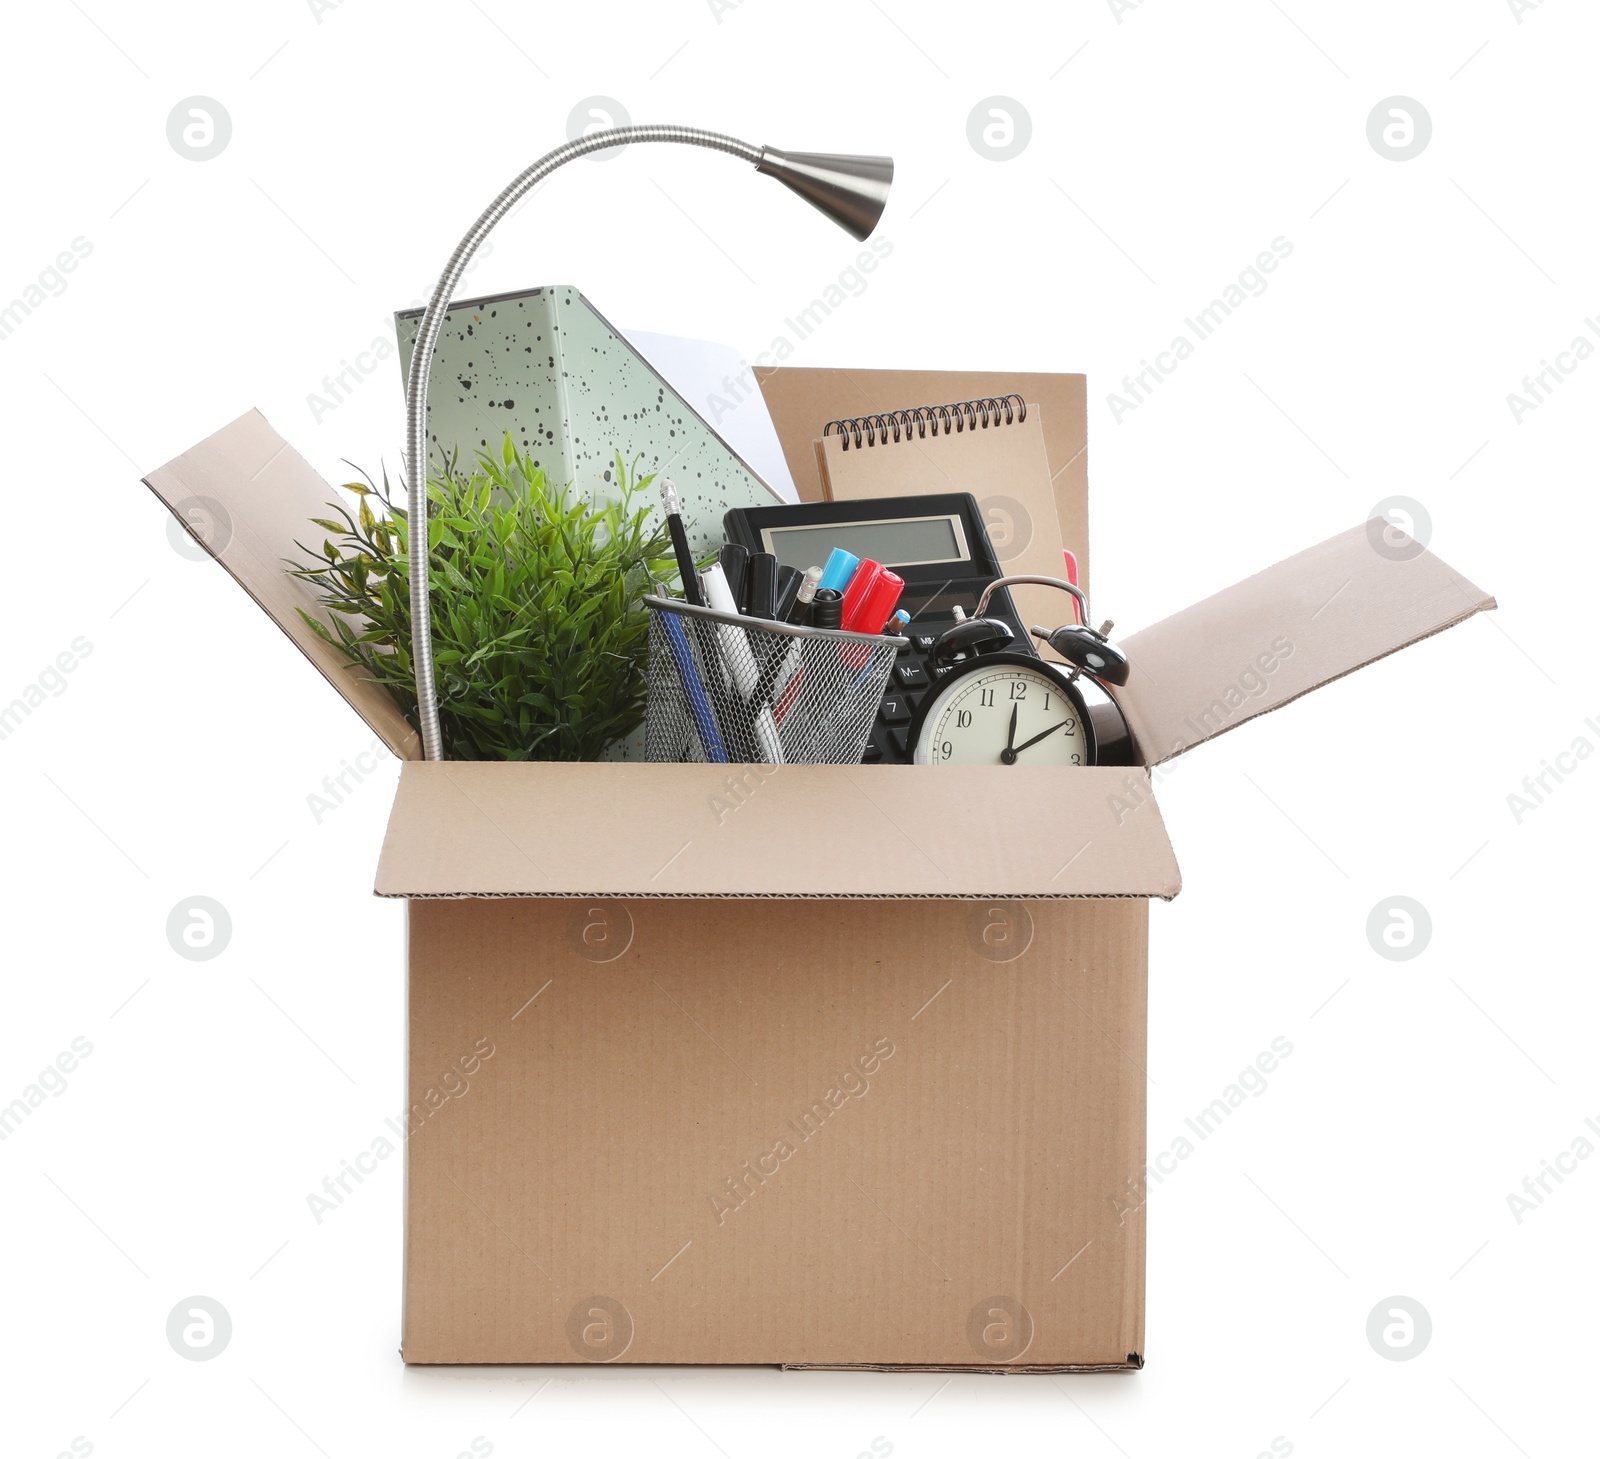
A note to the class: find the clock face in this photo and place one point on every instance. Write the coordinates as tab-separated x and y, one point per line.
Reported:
1003	714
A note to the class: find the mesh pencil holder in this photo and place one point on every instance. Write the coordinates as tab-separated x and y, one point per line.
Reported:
724	688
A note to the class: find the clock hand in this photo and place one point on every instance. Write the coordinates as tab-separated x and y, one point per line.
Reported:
1008	756
1042	736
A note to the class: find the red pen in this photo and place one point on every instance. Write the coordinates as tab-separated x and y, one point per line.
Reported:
1072	577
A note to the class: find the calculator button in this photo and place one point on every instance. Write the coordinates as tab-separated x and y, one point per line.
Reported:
871	755
923	642
894	710
911	676
896	741
940	672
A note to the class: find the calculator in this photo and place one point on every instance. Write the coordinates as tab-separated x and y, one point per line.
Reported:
938	544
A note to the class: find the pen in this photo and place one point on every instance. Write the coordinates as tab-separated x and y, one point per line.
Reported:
733	559
789	580
839	569
693	690
781	674
827	608
862	582
899	620
763	585
873	593
739	664
680	546
804	594
867	610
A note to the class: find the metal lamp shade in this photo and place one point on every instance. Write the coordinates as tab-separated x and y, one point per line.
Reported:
851	190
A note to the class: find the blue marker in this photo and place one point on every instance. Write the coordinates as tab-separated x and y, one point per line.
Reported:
839	569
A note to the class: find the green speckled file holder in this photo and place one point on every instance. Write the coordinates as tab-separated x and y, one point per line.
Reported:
546	366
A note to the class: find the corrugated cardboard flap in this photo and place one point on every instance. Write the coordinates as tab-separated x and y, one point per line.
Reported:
1302	623
269	492
479	829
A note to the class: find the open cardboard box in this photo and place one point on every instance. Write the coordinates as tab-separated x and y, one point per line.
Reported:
665	1108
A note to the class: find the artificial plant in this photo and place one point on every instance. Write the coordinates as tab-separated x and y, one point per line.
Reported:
540	637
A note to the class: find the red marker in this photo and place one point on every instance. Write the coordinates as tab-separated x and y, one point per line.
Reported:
863	583
870	599
873	595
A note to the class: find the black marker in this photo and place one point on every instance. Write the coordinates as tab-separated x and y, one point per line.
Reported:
827	608
763	591
789	580
734	559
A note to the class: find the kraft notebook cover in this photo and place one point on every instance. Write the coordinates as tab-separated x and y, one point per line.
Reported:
801	398
993	449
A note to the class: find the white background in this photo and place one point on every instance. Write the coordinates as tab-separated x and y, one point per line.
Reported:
1170	144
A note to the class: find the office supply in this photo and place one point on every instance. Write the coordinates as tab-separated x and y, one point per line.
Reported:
734	560
709	374
839	568
800	398
805	594
862	582
1000	704
777	677
546	367
789	580
735	648
827	608
763	595
814	701
992	448
897	621
680	545
935	545
741	671
875	603
694	693
849	190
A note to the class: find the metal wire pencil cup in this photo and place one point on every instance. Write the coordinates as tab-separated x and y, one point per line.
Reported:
728	689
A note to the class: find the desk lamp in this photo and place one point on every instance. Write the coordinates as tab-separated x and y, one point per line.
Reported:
850	190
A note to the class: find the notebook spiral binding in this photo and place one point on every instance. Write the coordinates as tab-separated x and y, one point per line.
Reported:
963	415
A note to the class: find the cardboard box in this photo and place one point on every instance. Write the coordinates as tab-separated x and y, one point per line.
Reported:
821	1066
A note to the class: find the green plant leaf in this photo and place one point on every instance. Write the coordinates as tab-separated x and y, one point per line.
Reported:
540	639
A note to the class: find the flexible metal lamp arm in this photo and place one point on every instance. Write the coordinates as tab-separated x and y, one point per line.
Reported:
850	190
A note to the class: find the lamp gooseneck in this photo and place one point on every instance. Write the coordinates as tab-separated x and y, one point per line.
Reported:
850	190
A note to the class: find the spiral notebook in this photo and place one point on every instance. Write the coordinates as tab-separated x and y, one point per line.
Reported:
993	448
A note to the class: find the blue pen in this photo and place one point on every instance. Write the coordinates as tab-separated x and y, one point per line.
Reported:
839	569
693	690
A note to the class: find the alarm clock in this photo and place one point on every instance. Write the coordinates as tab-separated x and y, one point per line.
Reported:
994	701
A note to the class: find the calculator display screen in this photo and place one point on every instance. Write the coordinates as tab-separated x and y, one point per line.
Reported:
895	542
939	605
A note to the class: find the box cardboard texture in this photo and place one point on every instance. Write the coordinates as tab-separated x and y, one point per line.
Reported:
666	1107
